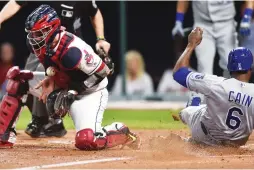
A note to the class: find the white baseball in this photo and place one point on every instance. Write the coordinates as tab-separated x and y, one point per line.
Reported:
51	71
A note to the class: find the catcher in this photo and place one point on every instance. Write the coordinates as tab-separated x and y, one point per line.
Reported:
75	83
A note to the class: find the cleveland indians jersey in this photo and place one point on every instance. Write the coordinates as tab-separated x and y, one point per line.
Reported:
79	62
230	105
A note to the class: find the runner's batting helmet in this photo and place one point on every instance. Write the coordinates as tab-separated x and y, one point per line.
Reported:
42	25
240	59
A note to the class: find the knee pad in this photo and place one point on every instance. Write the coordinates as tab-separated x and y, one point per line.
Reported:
86	140
18	81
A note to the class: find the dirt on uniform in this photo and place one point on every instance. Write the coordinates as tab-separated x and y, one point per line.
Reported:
159	149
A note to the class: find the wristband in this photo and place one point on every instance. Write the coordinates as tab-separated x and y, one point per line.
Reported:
179	16
101	38
248	11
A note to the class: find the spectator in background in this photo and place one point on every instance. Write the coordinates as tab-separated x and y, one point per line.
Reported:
138	81
168	84
6	59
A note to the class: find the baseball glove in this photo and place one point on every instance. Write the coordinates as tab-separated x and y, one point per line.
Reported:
59	102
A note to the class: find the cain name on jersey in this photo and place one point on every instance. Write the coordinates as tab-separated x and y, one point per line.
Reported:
239	98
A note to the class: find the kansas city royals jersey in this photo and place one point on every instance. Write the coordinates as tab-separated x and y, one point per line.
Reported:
230	105
213	10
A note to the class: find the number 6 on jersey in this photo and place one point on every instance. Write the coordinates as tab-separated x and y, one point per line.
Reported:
233	121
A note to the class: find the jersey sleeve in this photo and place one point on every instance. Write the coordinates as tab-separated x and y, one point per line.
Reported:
89	8
198	82
21	3
92	8
75	58
71	58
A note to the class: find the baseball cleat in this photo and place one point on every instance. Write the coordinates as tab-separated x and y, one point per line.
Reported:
55	128
34	128
8	139
133	141
40	128
6	145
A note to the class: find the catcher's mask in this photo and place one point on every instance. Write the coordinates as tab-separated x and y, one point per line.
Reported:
42	25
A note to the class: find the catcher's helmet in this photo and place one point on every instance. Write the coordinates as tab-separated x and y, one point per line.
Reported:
240	59
42	25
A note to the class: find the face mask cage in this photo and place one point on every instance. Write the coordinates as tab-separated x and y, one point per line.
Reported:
37	38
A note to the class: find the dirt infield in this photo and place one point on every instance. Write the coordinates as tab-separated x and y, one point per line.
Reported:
160	149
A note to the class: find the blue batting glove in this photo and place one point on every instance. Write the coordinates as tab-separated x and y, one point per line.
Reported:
246	22
178	28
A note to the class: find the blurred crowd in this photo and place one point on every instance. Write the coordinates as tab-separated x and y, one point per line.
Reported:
7	54
138	80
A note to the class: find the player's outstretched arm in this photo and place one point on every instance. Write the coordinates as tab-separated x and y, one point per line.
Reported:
10	9
194	39
198	82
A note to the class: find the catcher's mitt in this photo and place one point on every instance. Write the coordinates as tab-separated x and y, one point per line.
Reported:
59	102
107	60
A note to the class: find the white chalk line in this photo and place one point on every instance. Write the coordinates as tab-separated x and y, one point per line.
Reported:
248	146
229	156
75	163
60	142
193	162
65	142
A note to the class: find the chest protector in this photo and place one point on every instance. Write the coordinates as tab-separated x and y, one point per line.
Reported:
65	78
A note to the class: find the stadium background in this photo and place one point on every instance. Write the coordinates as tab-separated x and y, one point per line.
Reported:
148	30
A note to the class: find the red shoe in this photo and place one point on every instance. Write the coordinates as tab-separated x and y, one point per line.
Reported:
134	141
6	145
10	140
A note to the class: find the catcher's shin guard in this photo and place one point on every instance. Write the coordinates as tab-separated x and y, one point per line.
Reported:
86	139
11	103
